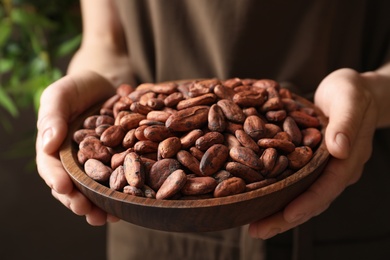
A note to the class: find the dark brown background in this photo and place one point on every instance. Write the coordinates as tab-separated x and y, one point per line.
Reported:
34	225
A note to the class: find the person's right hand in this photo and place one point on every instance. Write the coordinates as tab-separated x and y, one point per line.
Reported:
62	102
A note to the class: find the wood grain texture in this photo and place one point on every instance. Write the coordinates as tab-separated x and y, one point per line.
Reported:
193	215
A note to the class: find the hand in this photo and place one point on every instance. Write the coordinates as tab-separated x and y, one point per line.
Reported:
61	102
345	98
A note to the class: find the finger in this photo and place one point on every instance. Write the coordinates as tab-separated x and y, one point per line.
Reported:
52	172
75	201
344	101
64	100
96	217
112	219
337	175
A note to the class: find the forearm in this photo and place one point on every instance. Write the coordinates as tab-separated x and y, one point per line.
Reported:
379	84
103	47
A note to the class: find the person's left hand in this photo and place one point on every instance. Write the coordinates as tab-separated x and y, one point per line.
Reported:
345	99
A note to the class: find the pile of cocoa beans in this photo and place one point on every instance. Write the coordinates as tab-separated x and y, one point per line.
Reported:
197	139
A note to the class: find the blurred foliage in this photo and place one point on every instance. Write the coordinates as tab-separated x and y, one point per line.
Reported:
35	36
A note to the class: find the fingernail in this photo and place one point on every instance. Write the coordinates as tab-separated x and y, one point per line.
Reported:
297	218
273	232
47	136
342	141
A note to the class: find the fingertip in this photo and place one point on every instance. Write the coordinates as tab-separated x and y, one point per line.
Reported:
96	217
112	219
338	144
53	134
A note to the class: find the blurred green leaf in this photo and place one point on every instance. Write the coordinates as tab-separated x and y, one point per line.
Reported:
5	31
6	65
7	103
68	46
36	36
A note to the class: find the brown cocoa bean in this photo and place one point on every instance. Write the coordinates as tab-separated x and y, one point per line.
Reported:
231	141
232	82
92	148
143	99
129	139
139	133
304	120
146	146
199	185
97	170
156	103
246	156
169	147
231	111
209	139
117	159
213	159
279	144
157	133
134	170
117	180
135	191
276	115
229	187
189	139
198	154
244	172
250	98
172	184
247	141
266	83
173	99
311	137
188	119
159	171
271	130
101	128
90	122
274	103
299	157
221	175
137	107
189	161
250	111
206	99
165	88
113	136
80	134
269	158
283	136
149	192
131	120
281	165
290	127
254	126
216	119
159	116
231	127
223	92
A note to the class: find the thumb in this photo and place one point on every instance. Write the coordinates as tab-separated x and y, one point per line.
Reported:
64	100
342	98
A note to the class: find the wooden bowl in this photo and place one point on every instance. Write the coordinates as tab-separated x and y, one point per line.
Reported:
193	215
